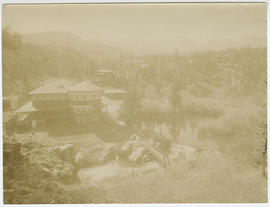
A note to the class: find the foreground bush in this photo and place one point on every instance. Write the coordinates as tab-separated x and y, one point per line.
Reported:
34	175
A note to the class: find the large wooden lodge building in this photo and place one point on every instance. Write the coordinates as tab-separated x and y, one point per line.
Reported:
60	100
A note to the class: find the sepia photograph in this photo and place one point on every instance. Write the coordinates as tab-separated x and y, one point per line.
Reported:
132	103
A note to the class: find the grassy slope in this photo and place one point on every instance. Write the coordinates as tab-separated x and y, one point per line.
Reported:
211	180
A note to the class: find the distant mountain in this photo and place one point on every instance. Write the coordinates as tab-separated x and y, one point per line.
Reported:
111	48
235	43
93	49
185	45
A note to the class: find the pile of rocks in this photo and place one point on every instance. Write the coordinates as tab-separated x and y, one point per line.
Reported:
96	155
31	170
137	150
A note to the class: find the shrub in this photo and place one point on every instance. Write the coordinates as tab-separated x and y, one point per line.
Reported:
203	105
241	132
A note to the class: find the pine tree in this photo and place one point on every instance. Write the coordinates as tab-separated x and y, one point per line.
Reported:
131	107
175	100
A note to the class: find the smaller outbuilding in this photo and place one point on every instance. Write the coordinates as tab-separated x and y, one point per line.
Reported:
104	75
114	93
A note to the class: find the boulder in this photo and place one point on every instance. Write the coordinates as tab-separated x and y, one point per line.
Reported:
87	158
135	138
137	154
137	149
125	150
65	152
109	152
126	147
147	157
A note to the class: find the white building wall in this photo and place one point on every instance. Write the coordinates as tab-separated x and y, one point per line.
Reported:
84	95
83	113
44	97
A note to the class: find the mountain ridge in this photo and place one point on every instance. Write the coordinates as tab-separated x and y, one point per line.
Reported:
93	49
113	48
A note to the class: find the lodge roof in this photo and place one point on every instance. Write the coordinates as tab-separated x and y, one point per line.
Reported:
55	87
85	86
28	107
62	87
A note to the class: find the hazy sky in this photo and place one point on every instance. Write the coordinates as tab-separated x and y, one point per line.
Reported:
196	21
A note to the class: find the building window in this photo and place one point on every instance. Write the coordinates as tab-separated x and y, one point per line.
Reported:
83	116
88	116
78	117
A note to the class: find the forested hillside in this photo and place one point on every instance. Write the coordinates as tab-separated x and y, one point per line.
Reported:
26	65
237	71
234	71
